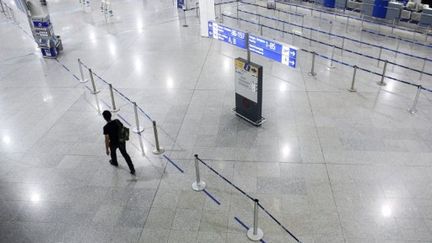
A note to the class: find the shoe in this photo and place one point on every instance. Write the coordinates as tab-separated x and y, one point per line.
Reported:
132	172
114	164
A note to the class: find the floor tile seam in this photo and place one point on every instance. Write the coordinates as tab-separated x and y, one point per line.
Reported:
196	84
55	122
325	164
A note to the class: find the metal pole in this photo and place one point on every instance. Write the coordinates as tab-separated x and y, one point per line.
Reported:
158	149
312	72
114	108
185	21
95	91
283	30
310	37
331	28
2	7
331	66
381	83
394	22
343	46
423	68
248	53
255	233
138	128
302	24
347	24
397	48
379	56
413	108
237	12
198	185
352	89
83	80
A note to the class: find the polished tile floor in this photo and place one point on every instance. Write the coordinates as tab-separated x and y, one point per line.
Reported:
330	165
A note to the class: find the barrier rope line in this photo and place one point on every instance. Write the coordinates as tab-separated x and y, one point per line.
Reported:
347	16
120	93
277	222
281	11
396	38
225	179
342	37
337	47
248	196
216	4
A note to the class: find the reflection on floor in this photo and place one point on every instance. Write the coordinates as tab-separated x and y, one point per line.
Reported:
332	166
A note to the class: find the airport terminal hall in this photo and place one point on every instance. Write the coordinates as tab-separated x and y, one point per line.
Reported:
216	121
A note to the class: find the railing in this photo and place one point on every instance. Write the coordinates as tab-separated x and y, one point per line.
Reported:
7	11
113	106
343	38
254	233
382	75
361	19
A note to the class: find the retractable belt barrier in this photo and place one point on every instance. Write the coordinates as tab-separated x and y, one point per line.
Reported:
256	201
347	16
397	38
346	38
330	45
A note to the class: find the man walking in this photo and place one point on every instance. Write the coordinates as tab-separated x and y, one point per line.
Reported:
112	131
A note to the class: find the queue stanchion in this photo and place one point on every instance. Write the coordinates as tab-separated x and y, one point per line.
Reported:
237	10
352	89
423	68
346	25
379	56
302	24
83	79
137	129
331	29
283	30
332	66
95	90
198	184
382	83
113	104
310	37
1	6
255	233
413	108
312	71
158	149
184	15
343	46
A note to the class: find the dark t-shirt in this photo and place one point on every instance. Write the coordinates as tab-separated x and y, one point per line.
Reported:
112	130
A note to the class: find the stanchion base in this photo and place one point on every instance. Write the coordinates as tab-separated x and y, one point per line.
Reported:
312	74
352	90
198	186
185	25
115	111
412	112
160	151
381	83
135	130
331	67
257	237
84	81
95	92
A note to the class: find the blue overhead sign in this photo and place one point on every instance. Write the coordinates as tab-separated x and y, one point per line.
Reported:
225	34
276	51
181	4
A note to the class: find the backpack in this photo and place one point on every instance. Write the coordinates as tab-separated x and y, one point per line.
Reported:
123	133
